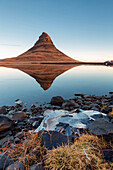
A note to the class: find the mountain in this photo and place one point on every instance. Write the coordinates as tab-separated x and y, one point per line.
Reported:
43	51
44	74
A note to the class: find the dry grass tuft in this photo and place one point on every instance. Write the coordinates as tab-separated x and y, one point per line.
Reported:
29	151
85	153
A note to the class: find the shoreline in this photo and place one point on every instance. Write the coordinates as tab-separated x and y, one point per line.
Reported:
66	120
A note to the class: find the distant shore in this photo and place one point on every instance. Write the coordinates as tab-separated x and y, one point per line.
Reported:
59	63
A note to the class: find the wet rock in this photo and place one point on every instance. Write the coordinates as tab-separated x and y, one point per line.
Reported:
37	167
16	166
52	139
3	110
5	123
5	161
19	115
57	100
69	105
101	126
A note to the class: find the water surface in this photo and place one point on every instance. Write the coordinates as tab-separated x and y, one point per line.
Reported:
39	83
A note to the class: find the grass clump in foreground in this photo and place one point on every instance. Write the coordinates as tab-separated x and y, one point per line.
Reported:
86	153
29	151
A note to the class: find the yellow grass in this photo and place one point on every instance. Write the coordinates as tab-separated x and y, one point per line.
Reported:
28	151
86	153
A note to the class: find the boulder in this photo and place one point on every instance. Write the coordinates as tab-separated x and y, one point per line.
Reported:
57	100
101	126
5	123
19	115
16	166
5	161
53	139
69	105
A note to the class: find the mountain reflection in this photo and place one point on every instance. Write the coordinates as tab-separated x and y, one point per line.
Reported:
44	74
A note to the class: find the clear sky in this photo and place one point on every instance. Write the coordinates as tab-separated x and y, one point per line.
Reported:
82	29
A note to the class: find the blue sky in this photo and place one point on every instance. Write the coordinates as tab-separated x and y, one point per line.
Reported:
82	29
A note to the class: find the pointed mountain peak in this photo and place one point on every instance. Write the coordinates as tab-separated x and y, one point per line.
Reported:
44	38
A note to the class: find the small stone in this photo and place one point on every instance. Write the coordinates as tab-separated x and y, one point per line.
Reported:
5	161
37	167
16	166
57	100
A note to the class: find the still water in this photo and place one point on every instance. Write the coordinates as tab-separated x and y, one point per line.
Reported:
38	83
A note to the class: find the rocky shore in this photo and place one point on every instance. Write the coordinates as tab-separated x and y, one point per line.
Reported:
58	122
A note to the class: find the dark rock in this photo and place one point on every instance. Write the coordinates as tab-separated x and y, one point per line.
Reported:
57	100
69	105
106	110
5	123
16	166
111	92
101	126
78	94
5	161
3	110
53	139
108	154
3	134
37	167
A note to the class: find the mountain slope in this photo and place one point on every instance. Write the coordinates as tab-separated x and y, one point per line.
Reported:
42	51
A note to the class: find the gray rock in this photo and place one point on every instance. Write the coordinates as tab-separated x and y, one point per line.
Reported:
5	161
70	104
53	139
101	126
5	123
57	100
16	166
